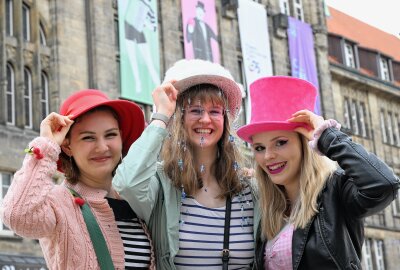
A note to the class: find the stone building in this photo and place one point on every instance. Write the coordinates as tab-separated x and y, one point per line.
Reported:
49	49
365	86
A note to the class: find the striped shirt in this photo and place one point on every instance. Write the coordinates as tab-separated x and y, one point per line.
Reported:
201	234
136	242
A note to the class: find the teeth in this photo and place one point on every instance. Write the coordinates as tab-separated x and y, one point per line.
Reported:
203	131
277	166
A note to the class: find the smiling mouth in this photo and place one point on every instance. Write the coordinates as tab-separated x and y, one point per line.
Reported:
276	168
100	159
203	131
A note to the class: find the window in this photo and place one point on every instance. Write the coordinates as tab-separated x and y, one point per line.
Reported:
118	75
26	17
362	118
298	10
367	255
396	130
44	99
396	205
116	33
383	126
9	18
28	97
349	55
5	181
284	5
379	256
389	127
10	95
347	122
373	254
42	36
354	117
292	8
384	69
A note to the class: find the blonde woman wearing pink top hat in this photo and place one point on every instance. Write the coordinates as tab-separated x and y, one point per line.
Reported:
312	210
82	223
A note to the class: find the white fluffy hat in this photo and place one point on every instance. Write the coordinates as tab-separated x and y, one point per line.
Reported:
193	72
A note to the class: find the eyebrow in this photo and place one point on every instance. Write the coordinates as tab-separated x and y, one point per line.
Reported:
211	107
276	138
273	139
91	132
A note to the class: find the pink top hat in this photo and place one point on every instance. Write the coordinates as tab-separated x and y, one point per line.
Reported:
273	101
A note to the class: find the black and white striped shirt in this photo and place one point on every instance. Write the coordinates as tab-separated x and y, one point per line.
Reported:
201	235
136	242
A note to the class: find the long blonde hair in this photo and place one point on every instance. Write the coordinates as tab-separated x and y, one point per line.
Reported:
177	148
314	172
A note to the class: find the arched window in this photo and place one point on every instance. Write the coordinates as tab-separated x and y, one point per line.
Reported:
44	99
10	95
42	34
28	97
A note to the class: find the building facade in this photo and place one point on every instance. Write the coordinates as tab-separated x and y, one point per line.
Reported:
365	72
49	49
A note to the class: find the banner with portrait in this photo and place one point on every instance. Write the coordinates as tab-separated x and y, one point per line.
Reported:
302	55
200	33
139	49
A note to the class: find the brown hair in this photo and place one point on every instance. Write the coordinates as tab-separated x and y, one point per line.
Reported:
71	170
177	147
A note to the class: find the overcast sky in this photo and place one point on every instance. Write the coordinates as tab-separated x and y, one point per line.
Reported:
383	14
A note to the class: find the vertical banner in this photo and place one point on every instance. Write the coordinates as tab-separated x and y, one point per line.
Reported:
302	55
256	49
139	49
200	33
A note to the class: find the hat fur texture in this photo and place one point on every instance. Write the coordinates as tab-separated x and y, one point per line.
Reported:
193	72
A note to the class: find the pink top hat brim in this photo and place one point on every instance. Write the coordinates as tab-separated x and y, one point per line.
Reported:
246	132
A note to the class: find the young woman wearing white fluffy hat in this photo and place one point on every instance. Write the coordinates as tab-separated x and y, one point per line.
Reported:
198	192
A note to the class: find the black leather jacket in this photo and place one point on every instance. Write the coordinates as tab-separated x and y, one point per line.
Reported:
334	237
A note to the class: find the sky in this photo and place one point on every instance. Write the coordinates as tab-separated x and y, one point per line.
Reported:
383	14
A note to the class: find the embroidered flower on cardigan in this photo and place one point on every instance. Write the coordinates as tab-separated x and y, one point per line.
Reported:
34	151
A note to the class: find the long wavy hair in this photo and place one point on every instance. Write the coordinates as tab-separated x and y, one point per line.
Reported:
178	148
68	165
314	172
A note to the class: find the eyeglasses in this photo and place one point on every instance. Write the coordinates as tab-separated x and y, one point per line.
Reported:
195	113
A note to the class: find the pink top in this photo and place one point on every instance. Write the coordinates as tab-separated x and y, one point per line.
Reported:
278	251
35	207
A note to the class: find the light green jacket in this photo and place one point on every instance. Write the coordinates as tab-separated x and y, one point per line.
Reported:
141	180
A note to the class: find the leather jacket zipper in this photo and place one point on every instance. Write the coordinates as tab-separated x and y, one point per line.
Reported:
323	241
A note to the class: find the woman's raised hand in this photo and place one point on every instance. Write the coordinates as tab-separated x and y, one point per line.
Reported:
55	127
311	119
164	97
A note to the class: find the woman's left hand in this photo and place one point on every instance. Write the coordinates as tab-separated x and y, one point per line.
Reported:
311	119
